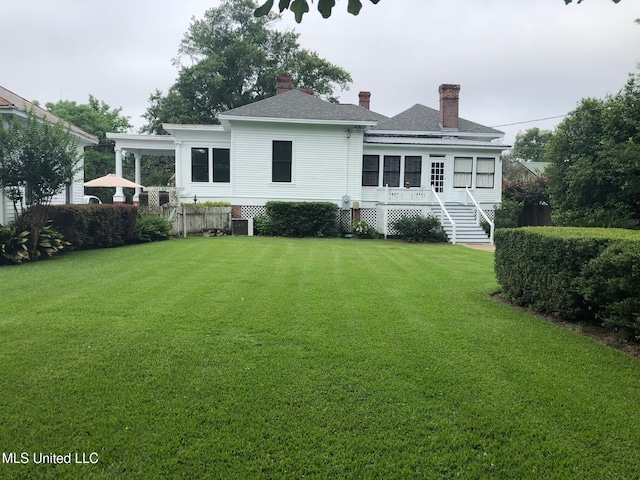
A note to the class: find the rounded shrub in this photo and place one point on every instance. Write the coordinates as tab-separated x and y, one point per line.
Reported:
420	229
151	228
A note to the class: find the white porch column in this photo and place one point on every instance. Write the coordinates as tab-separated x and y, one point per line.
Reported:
138	177
119	196
178	172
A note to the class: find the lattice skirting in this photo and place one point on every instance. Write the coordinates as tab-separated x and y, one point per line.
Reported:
397	214
250	211
369	215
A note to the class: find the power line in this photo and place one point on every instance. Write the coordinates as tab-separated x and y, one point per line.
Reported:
529	121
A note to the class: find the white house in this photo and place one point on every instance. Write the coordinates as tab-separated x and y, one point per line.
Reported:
12	104
296	147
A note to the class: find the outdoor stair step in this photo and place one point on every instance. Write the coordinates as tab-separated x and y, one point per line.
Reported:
467	230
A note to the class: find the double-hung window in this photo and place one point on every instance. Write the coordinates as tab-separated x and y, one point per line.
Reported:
412	170
462	171
391	171
485	172
199	164
370	170
282	155
221	165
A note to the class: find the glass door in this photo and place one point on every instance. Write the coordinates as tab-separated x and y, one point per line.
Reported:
437	176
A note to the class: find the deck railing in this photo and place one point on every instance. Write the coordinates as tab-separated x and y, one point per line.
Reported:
443	212
405	196
479	212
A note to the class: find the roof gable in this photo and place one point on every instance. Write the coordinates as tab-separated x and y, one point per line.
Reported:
296	105
10	101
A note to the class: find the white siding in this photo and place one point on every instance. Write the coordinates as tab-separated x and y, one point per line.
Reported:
325	163
205	191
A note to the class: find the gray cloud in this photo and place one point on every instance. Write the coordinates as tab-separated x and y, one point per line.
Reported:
516	60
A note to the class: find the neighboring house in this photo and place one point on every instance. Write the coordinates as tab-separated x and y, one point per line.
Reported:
531	170
12	104
297	147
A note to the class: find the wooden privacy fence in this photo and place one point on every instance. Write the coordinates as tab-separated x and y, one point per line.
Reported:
195	219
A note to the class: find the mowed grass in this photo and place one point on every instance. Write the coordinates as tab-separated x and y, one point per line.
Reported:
281	358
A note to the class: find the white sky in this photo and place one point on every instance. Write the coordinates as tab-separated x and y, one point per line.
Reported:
516	60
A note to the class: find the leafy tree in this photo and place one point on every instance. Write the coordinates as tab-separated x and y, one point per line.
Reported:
97	118
594	178
37	161
233	59
530	145
325	7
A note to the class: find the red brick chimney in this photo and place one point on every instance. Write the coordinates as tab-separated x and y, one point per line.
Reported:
365	99
308	91
449	96
283	83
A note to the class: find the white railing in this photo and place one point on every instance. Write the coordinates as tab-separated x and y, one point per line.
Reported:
481	212
405	196
443	213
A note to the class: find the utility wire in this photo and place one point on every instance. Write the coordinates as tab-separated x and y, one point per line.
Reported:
529	121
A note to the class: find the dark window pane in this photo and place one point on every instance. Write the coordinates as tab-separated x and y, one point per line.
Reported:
391	174
199	164
370	170
412	170
281	161
221	165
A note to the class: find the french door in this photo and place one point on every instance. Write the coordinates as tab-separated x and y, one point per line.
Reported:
437	176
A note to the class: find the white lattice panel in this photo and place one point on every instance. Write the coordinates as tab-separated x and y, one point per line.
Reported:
397	214
250	211
369	215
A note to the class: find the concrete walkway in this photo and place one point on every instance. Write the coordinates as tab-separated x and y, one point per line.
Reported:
488	247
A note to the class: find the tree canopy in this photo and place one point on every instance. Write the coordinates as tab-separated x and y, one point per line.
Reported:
97	118
530	145
594	178
37	161
325	7
231	58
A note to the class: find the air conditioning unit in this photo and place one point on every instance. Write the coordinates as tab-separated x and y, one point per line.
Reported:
240	226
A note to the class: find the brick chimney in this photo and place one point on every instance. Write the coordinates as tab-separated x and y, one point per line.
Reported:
449	96
308	91
283	83
365	99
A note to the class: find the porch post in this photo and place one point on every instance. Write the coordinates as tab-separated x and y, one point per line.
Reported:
119	195
138	176
178	167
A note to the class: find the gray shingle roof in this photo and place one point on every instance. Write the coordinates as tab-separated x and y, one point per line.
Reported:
302	106
11	101
424	119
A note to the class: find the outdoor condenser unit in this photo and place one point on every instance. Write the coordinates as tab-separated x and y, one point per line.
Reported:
242	226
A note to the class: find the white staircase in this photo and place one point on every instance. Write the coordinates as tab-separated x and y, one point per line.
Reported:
467	230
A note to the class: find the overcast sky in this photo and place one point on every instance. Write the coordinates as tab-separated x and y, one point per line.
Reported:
516	60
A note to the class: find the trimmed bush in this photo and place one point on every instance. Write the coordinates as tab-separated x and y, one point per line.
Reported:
303	219
542	267
420	229
261	225
611	282
95	226
152	228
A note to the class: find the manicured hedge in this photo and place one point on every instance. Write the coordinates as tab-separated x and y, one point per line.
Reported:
95	226
558	271
303	219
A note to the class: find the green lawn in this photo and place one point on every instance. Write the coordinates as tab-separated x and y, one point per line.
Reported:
279	358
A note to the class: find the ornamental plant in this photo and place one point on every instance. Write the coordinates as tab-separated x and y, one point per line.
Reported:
362	229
